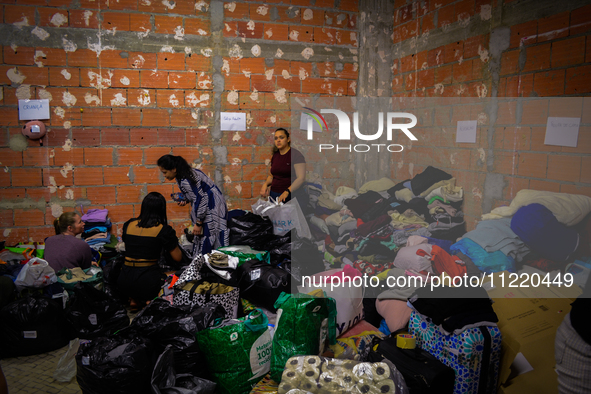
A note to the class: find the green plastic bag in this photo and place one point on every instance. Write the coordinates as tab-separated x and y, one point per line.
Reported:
303	324
237	352
246	253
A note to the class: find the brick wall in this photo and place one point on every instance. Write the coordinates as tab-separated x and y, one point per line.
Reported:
129	81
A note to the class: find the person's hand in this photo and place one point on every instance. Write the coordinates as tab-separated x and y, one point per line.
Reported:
265	191
94	263
197	230
181	203
283	196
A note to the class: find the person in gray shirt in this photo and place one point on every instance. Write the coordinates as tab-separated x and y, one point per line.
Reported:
65	250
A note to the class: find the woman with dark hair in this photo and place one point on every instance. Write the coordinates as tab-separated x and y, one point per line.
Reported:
145	238
287	163
65	250
209	212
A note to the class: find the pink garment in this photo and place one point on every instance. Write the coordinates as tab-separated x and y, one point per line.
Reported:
396	313
416	240
346	274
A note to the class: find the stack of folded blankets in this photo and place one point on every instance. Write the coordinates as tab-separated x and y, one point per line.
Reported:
97	227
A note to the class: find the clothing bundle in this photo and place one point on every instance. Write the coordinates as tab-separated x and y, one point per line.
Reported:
97	227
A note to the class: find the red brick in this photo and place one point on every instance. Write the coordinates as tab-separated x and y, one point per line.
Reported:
452	52
346	37
446	16
35	156
145	175
189	153
86	137
171	61
585	173
324	85
182	80
532	164
171	137
98	156
568	52
250	29
237	82
198	137
82	19
141	97
15	13
121	213
310	16
126	116
252	65
580	20
125	79
230	29
428	23
197	26
58	177
167	24
170	98
84	176
141	60
26	177
35	75
101	195
49	56
113	59
155	117
236	11
144	137
197	63
524	34
260	12
154	79
301	33
11	158
73	156
96	117
276	32
129	156
6	218
578	80
116	175
56	78
29	217
262	84
550	83
118	136
82	58
20	55
349	5
519	86
153	154
336	19
564	168
139	23
538	58
553	27
509	62
115	21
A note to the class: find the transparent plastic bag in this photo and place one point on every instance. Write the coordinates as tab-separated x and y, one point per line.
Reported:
66	366
314	374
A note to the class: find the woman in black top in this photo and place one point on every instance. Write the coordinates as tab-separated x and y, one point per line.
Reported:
145	238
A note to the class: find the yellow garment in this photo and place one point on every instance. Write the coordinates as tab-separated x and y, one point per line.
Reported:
212	288
404	195
449	191
326	200
377	186
337	219
343	190
436	185
401	220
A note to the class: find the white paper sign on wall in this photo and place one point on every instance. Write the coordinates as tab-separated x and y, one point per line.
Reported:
33	109
562	131
233	121
466	131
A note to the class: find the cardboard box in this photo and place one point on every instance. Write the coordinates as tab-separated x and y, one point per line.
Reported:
528	320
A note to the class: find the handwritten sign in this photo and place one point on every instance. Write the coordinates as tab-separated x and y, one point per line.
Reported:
33	109
233	121
466	131
304	119
562	131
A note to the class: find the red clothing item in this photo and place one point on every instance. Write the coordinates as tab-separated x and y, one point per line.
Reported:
283	170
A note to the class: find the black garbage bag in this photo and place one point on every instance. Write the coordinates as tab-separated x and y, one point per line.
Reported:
262	283
306	259
166	381
93	313
120	364
33	325
251	230
176	325
111	271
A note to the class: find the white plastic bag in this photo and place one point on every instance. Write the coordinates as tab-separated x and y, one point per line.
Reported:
289	216
348	297
66	366
36	273
262	206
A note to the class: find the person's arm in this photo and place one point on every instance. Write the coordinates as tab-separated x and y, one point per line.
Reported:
300	170
176	254
266	185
